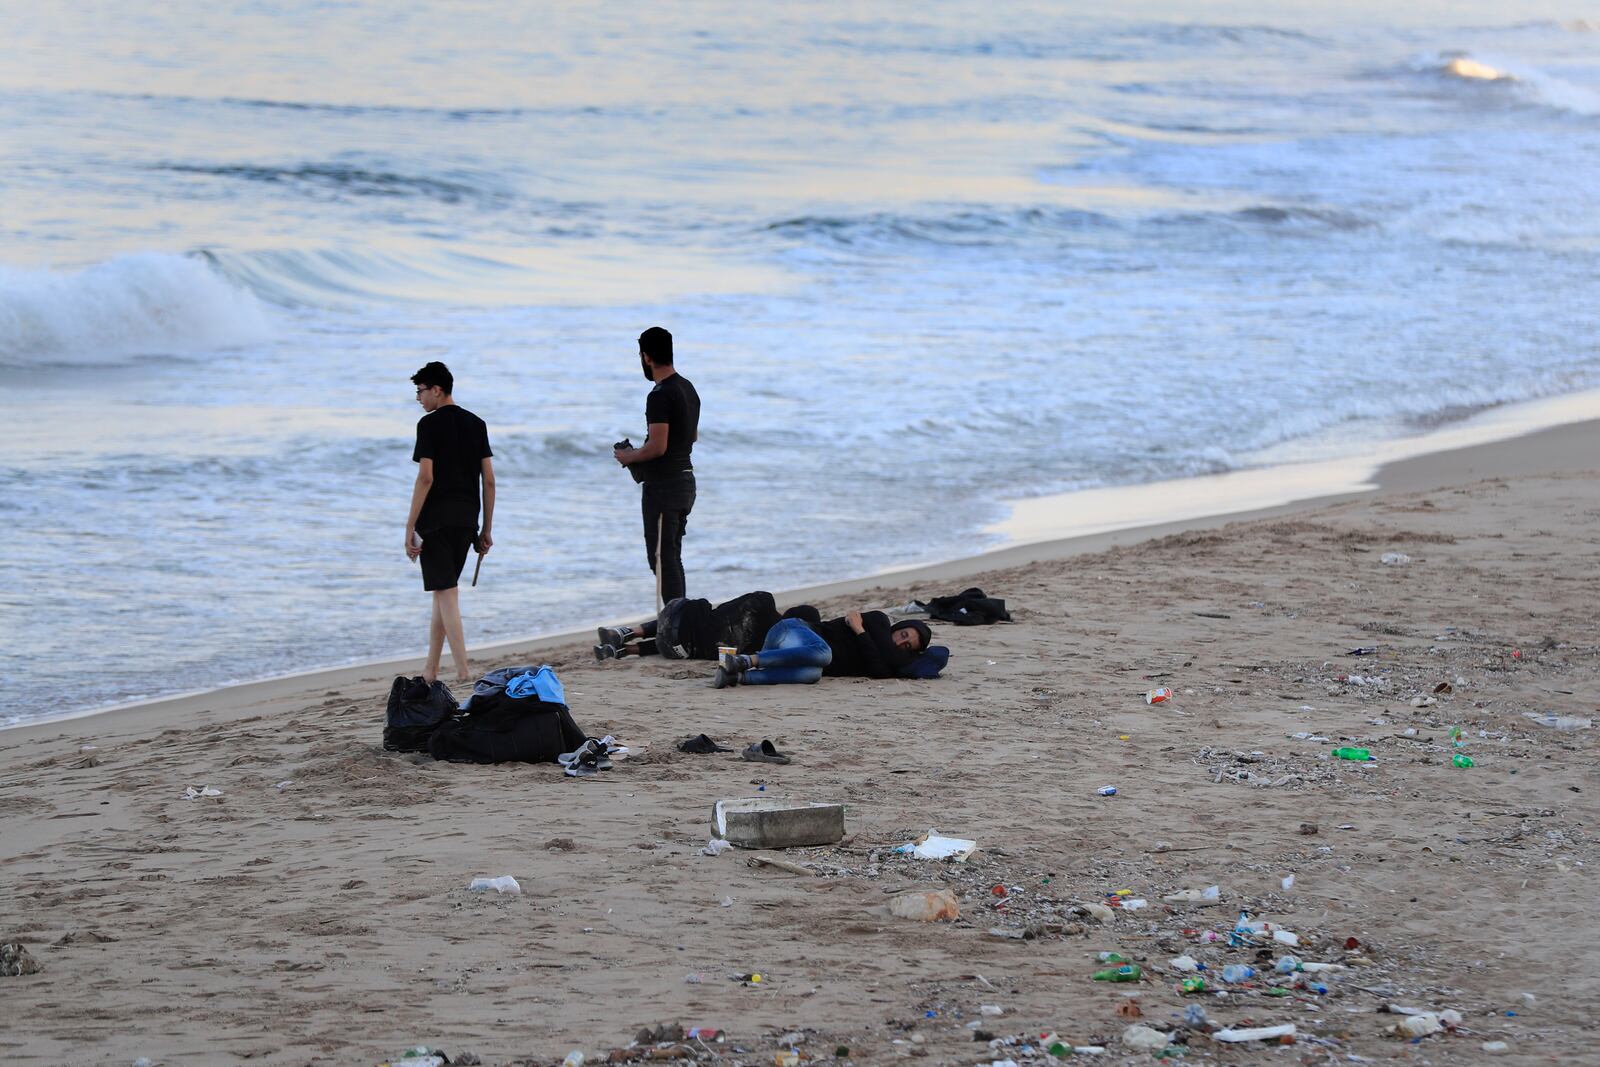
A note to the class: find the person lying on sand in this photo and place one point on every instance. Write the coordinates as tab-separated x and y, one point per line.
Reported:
856	645
694	629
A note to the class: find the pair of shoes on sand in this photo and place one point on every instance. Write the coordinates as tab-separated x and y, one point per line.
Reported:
612	639
591	757
762	751
730	670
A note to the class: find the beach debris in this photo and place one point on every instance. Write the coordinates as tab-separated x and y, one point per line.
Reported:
1130	1009
1097	912
1309	829
1394	559
1142	1038
1423	701
1185	963
931	846
726	902
561	844
1256	1033
1107	790
419	1056
925	906
192	793
93	937
1560	722
716	846
1364	650
503	884
1424	1023
991	1009
16	961
573	1058
780	865
765	822
1200	897
1287	883
1159	695
1495	1046
1128	972
1355	755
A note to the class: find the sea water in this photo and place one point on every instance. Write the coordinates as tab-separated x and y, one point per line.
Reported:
918	261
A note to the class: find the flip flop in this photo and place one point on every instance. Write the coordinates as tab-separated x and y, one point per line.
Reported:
701	745
763	751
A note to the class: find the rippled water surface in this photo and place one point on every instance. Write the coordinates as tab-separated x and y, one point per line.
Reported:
918	262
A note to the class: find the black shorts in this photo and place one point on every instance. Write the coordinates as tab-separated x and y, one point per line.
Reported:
444	553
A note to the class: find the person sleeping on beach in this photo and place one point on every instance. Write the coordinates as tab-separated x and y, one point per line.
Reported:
694	629
855	645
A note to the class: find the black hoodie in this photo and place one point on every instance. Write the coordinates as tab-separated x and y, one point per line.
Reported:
872	654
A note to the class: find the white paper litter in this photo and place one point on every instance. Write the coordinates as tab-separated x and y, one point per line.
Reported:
1255	1033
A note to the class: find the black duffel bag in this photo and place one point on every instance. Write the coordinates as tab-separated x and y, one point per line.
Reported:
415	710
505	729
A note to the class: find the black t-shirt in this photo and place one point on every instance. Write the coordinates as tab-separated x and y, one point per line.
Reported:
674	402
457	441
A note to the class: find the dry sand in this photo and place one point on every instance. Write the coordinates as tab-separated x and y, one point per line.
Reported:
327	920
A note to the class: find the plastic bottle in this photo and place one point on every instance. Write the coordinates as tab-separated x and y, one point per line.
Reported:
1192	985
1360	755
1237	972
1111	957
1462	760
1128	972
1287	965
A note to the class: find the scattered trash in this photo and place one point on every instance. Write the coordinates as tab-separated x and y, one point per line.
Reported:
1159	695
1288	883
991	1009
1107	790
1194	984
779	865
285	784
1133	904
1444	688
192	793
1129	1009
1194	1016
420	1056
1359	755
1128	972
1111	957
788	1058
1423	702
1098	912
504	884
1284	937
1394	559
716	846
1308	828
925	906
1143	1039
727	902
1203	897
1461	759
1365	650
15	961
573	1059
930	846
1237	972
1560	722
1495	1046
1185	963
1256	1033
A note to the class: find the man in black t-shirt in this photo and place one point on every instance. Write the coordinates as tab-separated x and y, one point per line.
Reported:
452	456
662	464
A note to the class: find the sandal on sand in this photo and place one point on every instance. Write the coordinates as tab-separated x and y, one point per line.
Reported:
590	747
763	751
586	765
701	745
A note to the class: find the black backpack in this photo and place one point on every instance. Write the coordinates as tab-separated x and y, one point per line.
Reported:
415	710
504	729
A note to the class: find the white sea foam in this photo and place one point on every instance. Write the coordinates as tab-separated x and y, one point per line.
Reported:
148	303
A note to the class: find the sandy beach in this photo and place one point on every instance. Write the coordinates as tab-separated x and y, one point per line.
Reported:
317	910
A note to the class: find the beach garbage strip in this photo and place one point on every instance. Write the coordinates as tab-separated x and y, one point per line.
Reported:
931	846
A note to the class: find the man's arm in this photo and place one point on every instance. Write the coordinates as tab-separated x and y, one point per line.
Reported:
419	493
883	658
485	542
655	445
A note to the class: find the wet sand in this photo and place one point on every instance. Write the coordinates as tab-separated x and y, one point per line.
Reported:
317	911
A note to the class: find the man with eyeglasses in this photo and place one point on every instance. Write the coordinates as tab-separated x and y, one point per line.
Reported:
452	456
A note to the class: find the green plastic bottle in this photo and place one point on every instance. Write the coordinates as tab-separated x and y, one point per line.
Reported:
1128	972
1461	760
1360	755
1192	985
1111	957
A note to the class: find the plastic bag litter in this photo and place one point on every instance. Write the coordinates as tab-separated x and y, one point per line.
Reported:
930	846
1255	1033
504	884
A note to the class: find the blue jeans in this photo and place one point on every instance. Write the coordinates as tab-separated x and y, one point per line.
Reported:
792	653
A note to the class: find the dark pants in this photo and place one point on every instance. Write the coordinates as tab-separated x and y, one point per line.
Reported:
666	503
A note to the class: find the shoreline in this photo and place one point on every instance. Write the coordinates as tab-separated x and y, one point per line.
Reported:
1501	442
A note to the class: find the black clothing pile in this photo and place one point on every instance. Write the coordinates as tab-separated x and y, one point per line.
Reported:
967	608
494	727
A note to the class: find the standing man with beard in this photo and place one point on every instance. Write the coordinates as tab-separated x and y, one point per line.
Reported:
661	465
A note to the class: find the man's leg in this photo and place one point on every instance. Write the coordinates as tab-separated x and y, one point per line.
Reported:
651	513
449	612
430	670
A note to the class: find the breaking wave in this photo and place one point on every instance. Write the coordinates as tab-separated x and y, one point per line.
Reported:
1516	83
345	278
342	180
148	303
